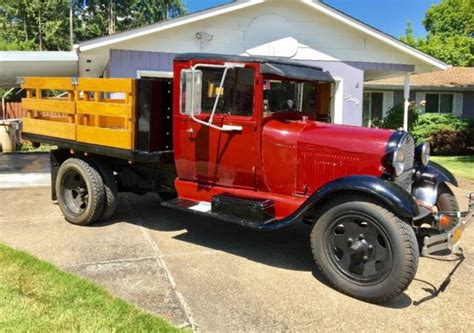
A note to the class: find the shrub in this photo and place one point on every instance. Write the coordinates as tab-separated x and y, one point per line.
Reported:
447	142
394	117
431	123
448	134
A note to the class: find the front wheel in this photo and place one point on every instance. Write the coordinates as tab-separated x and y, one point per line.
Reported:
446	201
364	250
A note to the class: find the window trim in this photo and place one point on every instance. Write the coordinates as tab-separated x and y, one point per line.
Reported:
370	92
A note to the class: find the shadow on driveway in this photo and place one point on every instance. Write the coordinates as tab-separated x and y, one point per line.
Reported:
287	248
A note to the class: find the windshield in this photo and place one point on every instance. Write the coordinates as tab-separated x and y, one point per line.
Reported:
308	98
284	96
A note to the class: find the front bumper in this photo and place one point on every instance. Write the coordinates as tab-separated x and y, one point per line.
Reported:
449	240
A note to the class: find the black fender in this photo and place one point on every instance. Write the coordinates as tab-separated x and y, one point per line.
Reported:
427	190
393	196
442	174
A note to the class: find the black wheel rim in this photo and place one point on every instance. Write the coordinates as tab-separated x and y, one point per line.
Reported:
358	248
74	192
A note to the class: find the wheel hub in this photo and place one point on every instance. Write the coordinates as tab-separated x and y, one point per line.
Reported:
75	192
359	248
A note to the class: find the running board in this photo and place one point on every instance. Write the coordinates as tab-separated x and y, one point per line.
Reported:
204	208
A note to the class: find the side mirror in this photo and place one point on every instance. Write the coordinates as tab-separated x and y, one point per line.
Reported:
191	91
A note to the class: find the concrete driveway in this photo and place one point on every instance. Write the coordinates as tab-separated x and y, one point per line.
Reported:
217	277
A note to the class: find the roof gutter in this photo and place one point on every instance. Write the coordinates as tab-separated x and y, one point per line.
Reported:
416	87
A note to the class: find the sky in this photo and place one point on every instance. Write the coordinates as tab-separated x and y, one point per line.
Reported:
390	16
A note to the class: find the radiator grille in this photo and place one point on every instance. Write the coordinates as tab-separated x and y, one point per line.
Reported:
405	180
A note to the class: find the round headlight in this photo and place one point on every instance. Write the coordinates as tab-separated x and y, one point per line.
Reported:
425	154
398	162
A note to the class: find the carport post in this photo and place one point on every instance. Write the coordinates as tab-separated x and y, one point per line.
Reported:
406	96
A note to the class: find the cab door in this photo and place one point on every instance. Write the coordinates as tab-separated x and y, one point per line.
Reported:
214	156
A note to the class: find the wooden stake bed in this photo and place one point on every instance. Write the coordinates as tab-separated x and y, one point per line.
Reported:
94	111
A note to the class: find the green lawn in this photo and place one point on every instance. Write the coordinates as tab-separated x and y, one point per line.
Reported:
460	166
36	296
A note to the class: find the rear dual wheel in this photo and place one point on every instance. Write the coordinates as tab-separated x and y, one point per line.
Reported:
86	191
364	250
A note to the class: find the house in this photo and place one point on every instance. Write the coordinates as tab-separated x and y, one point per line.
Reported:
301	30
450	91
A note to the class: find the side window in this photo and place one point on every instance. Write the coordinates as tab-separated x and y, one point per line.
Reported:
236	96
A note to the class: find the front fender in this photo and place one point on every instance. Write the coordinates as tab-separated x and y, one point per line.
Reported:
443	174
427	191
397	199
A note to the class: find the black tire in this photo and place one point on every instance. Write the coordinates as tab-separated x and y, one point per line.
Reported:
363	249
446	201
110	189
165	196
80	191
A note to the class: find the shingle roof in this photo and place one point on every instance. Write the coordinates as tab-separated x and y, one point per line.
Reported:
453	77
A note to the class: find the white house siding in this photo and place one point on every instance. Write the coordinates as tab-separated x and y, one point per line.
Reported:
285	28
387	101
318	36
457	104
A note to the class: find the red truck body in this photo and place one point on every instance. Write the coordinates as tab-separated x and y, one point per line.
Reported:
252	145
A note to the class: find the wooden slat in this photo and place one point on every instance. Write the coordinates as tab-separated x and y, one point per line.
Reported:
56	83
106	85
132	120
48	105
117	138
104	109
50	128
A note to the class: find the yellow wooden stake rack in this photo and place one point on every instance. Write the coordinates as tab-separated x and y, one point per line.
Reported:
94	111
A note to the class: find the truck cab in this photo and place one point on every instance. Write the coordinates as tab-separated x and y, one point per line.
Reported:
253	144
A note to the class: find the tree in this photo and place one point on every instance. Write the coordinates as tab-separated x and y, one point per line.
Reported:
35	24
57	24
450	32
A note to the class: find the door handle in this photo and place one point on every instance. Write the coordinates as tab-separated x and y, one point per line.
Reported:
190	132
232	128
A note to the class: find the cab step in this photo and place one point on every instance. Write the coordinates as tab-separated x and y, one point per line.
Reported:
249	212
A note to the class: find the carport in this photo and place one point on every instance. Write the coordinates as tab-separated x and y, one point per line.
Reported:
14	64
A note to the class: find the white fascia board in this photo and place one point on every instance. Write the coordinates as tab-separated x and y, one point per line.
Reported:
376	34
173	23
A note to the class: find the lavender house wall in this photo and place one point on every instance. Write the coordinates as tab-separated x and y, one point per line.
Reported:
398	97
468	104
352	85
467	100
126	63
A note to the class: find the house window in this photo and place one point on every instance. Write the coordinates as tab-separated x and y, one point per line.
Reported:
439	103
372	108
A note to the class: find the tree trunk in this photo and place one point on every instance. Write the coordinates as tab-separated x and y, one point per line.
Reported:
111	17
71	25
40	27
25	27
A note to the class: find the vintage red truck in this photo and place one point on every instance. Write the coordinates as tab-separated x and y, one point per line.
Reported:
247	140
